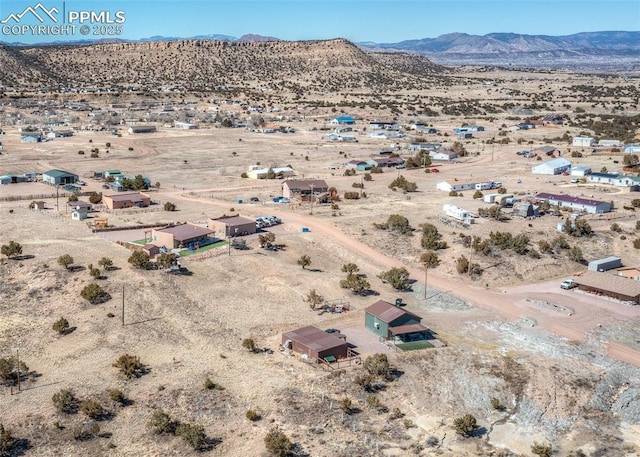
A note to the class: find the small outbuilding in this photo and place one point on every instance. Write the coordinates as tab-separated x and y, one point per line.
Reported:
606	264
183	235
141	129
315	344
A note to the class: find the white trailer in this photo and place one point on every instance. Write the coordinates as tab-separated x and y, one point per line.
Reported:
458	213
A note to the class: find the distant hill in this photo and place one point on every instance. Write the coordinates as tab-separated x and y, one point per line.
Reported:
580	49
282	66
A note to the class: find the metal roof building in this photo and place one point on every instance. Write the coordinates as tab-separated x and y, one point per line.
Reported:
314	343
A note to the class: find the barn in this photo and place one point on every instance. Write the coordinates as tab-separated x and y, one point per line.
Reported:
552	167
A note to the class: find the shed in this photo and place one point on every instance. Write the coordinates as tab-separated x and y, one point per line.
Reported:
360	165
141	129
315	344
580	170
343	120
583	142
386	320
79	213
608	263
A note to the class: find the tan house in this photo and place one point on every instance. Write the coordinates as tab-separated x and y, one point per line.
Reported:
128	200
237	225
305	189
315	344
181	236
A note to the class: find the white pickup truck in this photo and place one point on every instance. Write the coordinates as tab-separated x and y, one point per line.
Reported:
568	284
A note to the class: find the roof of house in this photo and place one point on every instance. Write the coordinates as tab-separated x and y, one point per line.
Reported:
58	173
546	149
186	231
387	312
555	163
306	184
131	196
410	328
314	338
609	282
234	221
79	203
570	199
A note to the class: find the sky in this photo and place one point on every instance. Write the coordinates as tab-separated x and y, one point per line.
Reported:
381	21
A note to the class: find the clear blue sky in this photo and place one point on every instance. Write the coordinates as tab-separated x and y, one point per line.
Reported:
357	20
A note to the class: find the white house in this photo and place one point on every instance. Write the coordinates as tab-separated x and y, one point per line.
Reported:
458	213
580	170
552	167
79	213
583	142
457	186
443	155
609	143
615	179
576	203
262	173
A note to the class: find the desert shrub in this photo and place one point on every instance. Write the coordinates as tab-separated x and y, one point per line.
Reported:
453	193
351	195
73	198
368	177
169	206
277	443
346	405
314	299
61	325
398	223
376	170
397	277
395	414
252	415
496	404
355	283
462	265
615	228
402	183
192	434
106	263
12	249
502	190
304	261
433	441
139	259
117	396
10	369
6	441
431	239
210	385
130	366
249	344
377	365
350	268
95	197
94	294
465	425
357	185
365	381
477	194
541	450
374	402
92	408
65	401
161	423
575	254
244	175
545	247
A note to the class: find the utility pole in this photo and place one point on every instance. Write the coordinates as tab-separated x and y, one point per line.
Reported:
57	197
493	146
312	196
123	305
18	368
470	252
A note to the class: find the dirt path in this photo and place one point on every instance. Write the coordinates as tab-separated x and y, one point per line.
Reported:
508	303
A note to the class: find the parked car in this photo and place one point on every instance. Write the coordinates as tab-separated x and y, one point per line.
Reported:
254	199
575	180
435	170
332	330
568	284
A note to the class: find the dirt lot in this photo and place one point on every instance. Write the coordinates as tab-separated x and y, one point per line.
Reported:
564	379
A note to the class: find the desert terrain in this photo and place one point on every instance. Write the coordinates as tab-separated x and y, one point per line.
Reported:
563	365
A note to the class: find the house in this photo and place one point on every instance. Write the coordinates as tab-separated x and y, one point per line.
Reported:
475	128
184	125
343	120
606	264
304	189
609	143
456	186
632	182
386	162
389	321
115	174
181	236
315	344
141	129
128	200
632	149
60	134
79	213
610	285
360	165
236	225
340	137
57	177
552	167
263	173
386	134
383	125
583	142
576	203
31	137
424	146
424	129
